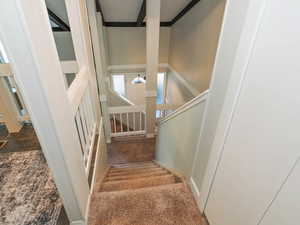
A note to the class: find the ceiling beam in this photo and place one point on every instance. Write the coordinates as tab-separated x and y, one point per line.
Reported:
140	21
142	14
185	10
133	24
55	19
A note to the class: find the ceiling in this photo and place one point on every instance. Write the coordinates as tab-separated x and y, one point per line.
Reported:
119	11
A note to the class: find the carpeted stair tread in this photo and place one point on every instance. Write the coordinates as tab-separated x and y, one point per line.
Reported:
134	171
138	183
160	205
123	165
135	176
131	168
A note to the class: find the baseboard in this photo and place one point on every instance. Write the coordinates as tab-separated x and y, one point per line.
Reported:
196	193
78	222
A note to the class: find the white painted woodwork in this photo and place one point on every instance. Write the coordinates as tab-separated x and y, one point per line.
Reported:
178	110
99	57
207	156
69	66
131	117
79	23
77	89
259	146
39	76
152	46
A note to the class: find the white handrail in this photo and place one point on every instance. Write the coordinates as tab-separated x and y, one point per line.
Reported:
77	89
112	92
67	67
127	109
203	96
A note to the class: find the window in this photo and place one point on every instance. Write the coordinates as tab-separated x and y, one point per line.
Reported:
3	56
160	88
119	84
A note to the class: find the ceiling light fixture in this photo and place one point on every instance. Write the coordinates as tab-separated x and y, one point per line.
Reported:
138	80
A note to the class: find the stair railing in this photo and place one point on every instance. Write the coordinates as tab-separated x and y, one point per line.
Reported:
200	98
84	113
127	120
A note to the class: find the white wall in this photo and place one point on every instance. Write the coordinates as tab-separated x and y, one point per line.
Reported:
128	45
64	45
258	134
225	58
194	40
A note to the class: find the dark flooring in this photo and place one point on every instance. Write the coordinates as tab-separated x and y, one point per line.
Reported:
25	140
131	149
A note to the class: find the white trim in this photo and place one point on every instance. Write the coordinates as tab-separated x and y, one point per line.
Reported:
130	133
78	222
184	82
90	156
38	72
196	192
200	98
126	109
254	17
114	69
69	66
103	98
150	135
77	89
122	98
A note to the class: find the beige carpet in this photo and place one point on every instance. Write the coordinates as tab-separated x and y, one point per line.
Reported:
143	194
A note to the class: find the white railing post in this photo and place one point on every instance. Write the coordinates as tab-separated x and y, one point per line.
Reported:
152	45
95	20
30	45
79	24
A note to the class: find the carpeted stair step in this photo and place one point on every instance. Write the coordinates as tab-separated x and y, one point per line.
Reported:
135	176
137	164
138	183
130	168
134	171
168	205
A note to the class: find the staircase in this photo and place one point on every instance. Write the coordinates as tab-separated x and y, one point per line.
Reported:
143	193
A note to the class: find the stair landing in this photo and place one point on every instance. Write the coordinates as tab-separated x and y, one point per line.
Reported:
131	149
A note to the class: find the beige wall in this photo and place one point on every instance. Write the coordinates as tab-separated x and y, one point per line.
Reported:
128	45
194	40
177	140
176	92
134	92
